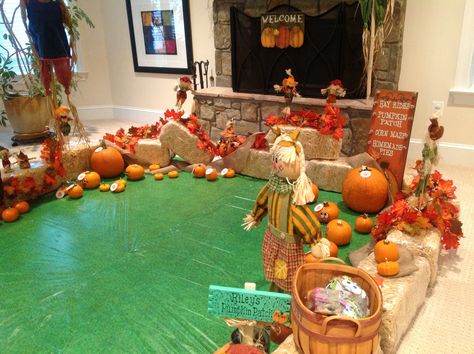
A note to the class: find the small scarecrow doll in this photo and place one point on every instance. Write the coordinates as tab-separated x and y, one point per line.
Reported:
290	221
334	90
7	165
184	85
62	121
288	87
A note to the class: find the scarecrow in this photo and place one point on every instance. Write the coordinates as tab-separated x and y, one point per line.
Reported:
183	85
334	90
288	87
7	165
45	22
290	221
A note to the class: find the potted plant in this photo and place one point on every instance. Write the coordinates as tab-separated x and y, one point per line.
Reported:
25	104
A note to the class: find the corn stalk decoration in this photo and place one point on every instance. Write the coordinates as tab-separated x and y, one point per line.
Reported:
377	18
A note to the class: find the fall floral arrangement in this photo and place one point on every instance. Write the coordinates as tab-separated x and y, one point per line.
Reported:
330	122
127	141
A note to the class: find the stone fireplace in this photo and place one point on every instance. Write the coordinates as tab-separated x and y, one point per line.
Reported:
216	105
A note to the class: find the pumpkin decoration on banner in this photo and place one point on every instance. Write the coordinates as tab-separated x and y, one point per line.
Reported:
363	224
135	172
339	232
107	162
388	268
89	179
326	211
296	37
365	190
10	214
199	171
386	251
283	38
267	37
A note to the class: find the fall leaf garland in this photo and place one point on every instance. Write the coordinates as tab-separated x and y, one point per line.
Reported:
439	212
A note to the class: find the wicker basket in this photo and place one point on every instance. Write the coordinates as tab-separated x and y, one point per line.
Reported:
315	333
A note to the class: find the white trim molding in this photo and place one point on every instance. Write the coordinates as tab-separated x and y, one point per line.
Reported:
136	114
458	154
96	112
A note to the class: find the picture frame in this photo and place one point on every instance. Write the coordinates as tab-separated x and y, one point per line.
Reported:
160	36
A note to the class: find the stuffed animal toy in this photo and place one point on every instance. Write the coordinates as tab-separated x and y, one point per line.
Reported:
290	221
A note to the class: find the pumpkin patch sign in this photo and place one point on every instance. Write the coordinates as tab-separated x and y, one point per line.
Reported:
390	130
282	30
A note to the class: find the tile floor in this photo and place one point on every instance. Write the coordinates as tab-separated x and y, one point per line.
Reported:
445	324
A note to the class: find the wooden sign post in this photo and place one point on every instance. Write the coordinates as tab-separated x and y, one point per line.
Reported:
247	304
390	130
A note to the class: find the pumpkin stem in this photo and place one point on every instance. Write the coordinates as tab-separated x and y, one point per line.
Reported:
326	203
339	222
364	168
102	144
365	216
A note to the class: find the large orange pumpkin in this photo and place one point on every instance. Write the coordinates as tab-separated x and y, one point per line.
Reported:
135	172
10	214
386	251
339	232
107	162
365	190
283	39
326	211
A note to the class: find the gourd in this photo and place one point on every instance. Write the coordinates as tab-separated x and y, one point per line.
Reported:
10	214
339	232
173	174
158	176
267	38
365	190
386	251
117	187
199	171
363	224
104	187
228	173
283	38
315	189
296	37
107	162
22	206
89	179
326	211
154	167
75	191
211	174
388	268
135	172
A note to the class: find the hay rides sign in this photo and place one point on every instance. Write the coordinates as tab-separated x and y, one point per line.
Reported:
390	130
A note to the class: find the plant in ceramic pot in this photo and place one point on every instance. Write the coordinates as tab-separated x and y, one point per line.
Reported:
23	90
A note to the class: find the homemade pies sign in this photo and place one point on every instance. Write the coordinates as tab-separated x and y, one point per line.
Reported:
390	130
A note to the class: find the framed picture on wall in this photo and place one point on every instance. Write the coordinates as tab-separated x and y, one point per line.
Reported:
160	35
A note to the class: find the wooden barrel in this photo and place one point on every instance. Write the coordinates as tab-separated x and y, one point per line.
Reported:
315	333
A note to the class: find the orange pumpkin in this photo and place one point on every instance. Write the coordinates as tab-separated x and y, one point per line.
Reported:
135	172
10	214
173	174
154	167
211	174
339	232
75	191
228	173
121	181
22	206
158	176
296	37
326	211
386	251
267	38
388	269
104	187
365	190
107	162
199	171
283	38
315	189
117	187
89	179
363	224
309	258
333	249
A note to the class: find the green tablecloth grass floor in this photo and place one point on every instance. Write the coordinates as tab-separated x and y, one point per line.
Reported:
130	272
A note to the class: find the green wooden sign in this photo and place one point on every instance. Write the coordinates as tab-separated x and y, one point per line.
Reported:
246	304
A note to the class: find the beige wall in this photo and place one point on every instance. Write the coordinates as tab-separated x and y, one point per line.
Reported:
148	90
430	52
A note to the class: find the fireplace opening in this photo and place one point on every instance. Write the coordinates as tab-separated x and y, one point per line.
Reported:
332	49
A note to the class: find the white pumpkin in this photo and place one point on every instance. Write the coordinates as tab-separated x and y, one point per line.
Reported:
321	249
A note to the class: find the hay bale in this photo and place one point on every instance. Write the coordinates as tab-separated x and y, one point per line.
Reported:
151	151
179	140
315	144
259	164
328	175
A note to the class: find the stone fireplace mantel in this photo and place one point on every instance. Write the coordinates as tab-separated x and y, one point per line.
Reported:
217	105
